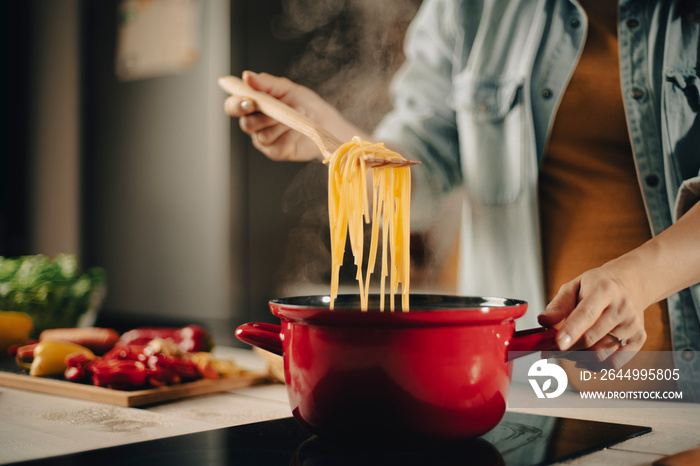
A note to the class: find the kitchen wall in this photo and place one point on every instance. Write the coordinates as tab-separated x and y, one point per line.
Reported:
39	169
162	196
184	214
150	179
146	178
54	142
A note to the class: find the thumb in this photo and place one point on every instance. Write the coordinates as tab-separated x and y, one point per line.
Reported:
561	306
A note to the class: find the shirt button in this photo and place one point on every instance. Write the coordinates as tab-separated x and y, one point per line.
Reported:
546	93
687	354
637	93
483	108
632	23
652	181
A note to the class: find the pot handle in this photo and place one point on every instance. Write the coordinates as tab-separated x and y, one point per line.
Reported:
264	336
532	340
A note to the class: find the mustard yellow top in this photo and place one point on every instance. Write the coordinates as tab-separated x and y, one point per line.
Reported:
590	202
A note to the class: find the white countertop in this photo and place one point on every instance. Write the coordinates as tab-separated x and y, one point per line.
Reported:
35	426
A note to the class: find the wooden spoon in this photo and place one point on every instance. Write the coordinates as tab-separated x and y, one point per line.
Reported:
272	107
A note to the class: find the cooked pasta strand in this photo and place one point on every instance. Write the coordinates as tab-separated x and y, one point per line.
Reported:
349	209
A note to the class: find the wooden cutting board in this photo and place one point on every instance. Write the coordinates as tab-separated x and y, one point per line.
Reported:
128	398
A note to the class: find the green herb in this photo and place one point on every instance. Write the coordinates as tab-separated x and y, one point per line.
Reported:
53	291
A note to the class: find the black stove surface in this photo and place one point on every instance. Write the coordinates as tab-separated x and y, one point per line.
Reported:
519	439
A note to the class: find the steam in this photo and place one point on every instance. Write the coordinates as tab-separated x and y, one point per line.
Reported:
354	48
307	257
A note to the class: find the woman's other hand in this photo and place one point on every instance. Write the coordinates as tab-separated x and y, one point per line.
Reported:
274	139
611	299
596	310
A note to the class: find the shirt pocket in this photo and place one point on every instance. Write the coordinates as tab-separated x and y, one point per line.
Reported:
681	121
491	136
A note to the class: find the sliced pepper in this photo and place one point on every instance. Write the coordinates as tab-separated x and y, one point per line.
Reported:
78	366
119	374
191	338
130	352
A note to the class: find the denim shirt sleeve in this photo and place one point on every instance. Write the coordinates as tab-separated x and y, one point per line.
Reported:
422	125
680	107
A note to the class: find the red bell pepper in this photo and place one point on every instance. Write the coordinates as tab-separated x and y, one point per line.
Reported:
133	352
191	338
78	366
133	366
120	374
167	370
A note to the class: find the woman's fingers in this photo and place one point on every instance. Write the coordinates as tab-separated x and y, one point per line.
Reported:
583	319
275	140
590	307
610	353
605	307
256	122
627	330
635	342
278	87
237	106
271	135
279	149
624	337
561	306
629	336
581	323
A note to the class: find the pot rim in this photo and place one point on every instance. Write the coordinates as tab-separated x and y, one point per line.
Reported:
425	310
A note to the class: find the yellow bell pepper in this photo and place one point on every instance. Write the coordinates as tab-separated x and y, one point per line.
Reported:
15	329
50	357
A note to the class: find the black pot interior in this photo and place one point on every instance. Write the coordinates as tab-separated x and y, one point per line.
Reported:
417	302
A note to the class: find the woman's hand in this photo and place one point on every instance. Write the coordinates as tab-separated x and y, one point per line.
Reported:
599	311
609	302
272	138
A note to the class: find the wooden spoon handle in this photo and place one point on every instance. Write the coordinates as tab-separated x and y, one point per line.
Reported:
282	112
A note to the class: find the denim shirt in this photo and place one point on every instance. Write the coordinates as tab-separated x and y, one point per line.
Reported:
475	102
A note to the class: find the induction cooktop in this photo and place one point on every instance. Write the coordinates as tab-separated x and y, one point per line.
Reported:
519	439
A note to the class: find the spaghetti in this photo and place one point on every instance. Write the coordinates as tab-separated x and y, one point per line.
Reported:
348	206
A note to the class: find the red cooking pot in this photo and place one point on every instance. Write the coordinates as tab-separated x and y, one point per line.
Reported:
437	372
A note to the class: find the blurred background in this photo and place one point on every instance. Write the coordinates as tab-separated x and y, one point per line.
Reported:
118	149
